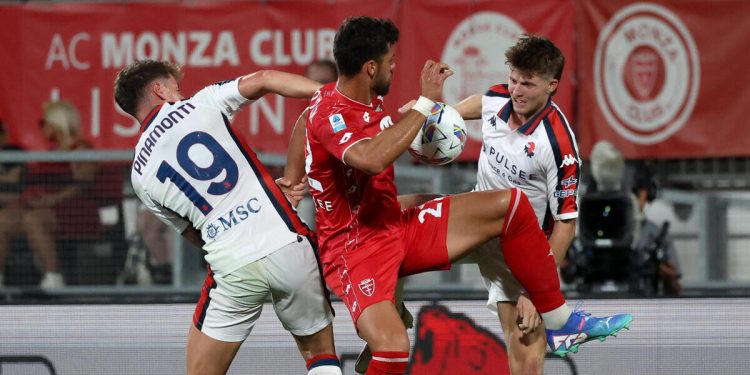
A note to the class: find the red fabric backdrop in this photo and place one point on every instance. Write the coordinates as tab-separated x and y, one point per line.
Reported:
664	79
73	51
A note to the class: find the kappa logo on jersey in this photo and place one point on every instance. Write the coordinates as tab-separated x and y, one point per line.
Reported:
529	149
347	136
366	116
568	160
367	286
337	122
232	218
386	122
568	182
493	121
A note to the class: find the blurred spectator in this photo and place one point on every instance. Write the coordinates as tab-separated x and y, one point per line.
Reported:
323	71
157	239
607	168
11	175
654	267
652	242
59	197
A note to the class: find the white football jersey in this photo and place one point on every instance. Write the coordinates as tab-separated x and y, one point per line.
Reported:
540	157
191	168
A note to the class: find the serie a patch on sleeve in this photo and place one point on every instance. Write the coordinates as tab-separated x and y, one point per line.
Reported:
337	122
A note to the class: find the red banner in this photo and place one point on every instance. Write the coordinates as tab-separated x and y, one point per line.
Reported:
73	51
663	79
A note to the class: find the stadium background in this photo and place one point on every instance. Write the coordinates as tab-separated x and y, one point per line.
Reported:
661	80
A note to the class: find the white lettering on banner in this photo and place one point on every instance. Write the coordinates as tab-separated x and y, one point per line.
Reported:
66	56
201	38
304	46
95	112
278	49
116	52
147	46
275	119
95	121
80	65
255	53
54	94
191	48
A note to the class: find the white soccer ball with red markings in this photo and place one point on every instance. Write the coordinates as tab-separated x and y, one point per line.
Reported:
442	136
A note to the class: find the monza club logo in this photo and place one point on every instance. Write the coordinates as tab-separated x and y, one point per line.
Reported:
646	73
475	51
367	286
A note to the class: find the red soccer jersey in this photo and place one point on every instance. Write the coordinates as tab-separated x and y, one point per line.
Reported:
353	209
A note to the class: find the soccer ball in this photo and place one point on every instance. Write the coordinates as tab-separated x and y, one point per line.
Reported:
441	138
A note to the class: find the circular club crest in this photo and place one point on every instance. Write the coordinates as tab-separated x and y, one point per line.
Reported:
646	73
475	51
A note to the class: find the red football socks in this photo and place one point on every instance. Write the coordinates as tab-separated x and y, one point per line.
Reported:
528	255
388	363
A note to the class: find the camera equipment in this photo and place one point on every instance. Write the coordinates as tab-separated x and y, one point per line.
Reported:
606	234
606	254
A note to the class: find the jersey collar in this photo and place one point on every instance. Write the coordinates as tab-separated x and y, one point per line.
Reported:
150	117
531	125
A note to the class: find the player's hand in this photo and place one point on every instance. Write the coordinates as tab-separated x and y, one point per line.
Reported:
432	78
406	107
668	271
294	194
528	318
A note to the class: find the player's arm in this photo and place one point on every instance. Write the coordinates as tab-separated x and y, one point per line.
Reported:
470	108
374	155
561	238
255	85
193	236
562	194
294	171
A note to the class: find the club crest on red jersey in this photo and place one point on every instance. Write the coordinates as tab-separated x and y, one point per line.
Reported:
367	286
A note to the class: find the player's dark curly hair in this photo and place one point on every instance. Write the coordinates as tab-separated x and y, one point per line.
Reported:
133	79
361	39
534	54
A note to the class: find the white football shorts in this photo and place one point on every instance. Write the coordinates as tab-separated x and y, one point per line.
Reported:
499	281
231	304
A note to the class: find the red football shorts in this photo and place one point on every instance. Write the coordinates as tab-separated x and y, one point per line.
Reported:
368	274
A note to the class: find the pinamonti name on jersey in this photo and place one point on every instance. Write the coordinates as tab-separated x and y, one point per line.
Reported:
192	169
171	119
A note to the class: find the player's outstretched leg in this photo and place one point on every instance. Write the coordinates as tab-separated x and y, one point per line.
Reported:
479	216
